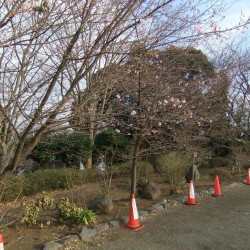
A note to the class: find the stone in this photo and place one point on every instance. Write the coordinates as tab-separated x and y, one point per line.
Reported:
87	233
211	190
143	213
149	190
70	239
103	203
164	203
123	220
204	192
181	199
52	245
114	224
101	227
157	207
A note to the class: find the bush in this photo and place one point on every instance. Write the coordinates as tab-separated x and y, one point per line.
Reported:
69	213
222	173
13	188
144	169
65	146
115	146
217	162
66	211
47	180
173	167
121	170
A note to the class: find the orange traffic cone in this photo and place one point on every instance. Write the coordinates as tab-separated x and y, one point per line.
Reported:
1	242
217	190
133	222
191	195
248	176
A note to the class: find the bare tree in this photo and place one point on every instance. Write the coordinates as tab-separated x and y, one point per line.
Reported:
234	60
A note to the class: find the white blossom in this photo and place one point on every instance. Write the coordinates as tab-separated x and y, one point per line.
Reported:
133	112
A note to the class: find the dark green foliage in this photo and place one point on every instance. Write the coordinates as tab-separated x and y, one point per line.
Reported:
47	180
114	146
221	146
187	61
144	169
68	147
217	162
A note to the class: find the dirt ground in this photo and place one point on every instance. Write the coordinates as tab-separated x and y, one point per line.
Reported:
17	236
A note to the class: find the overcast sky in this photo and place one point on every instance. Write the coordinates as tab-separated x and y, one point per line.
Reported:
233	14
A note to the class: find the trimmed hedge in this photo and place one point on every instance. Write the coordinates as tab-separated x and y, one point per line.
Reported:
144	169
47	180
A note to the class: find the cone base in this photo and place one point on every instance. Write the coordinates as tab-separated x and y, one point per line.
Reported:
191	204
216	195
139	227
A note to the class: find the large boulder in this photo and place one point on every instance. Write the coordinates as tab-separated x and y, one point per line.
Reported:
103	203
148	189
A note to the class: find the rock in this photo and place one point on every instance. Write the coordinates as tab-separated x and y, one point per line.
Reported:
164	203
70	239
103	203
149	190
143	213
101	227
123	220
114	224
181	199
87	233
211	190
158	207
51	245
204	192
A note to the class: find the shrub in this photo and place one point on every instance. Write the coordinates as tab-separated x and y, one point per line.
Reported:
91	175
173	167
13	188
47	180
33	208
217	162
69	213
121	170
114	145
65	146
222	173
145	170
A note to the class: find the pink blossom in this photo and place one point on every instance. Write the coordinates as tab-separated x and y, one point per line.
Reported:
133	112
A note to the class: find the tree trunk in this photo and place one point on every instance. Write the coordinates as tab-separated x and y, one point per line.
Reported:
134	164
4	178
89	161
